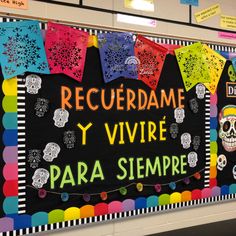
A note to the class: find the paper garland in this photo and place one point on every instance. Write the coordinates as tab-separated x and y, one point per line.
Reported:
216	64
117	56
193	67
66	49
151	58
22	49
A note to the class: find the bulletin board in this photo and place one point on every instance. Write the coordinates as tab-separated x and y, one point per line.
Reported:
124	148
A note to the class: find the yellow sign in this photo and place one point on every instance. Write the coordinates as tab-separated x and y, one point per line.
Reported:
207	13
228	22
19	4
142	5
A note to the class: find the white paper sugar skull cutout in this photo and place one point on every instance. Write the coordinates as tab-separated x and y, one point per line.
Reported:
196	142
33	83
60	117
186	140
192	159
174	130
179	115
51	151
34	158
221	162
41	107
227	132
234	171
200	91
193	104
69	139
40	178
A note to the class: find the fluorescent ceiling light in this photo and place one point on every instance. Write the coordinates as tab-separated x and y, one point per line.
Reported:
136	20
143	5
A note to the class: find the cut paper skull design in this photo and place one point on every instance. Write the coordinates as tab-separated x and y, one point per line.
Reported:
61	117
186	140
69	139
192	159
174	130
200	91
179	114
34	158
51	152
40	177
33	83
41	107
227	132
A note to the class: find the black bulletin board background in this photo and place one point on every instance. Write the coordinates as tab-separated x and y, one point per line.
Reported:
40	131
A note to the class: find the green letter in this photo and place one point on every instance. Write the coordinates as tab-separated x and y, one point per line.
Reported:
166	164
139	168
183	164
95	174
121	177
153	168
175	164
55	172
82	173
65	180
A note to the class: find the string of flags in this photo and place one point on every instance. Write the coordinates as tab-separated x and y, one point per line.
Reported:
65	196
122	55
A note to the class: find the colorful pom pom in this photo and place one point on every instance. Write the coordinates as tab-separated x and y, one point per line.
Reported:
139	187
103	196
64	197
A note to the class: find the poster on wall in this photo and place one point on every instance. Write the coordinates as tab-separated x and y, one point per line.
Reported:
88	147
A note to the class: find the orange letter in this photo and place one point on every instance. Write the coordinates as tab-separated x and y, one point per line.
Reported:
152	101
180	98
169	99
78	98
120	98
90	105
141	106
130	99
65	97
103	99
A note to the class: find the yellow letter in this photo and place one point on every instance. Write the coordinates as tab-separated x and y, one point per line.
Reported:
84	130
113	136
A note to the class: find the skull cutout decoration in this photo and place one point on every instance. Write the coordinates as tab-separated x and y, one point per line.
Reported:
221	162
193	104
41	107
69	139
51	151
186	140
60	117
231	73
192	159
174	130
40	177
200	91
179	115
227	132
196	142
33	84
34	158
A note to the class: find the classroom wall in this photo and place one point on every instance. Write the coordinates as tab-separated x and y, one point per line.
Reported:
171	9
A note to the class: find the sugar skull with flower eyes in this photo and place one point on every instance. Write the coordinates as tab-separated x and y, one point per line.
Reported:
227	132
